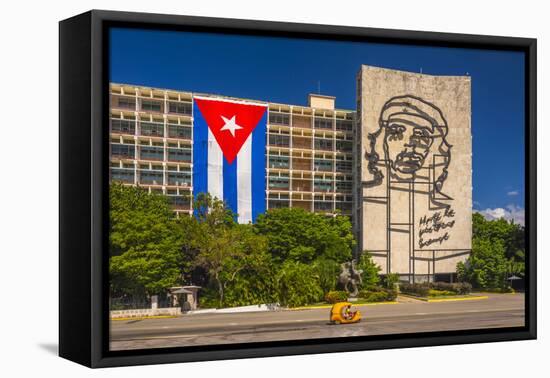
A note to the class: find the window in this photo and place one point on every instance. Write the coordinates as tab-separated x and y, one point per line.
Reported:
151	153
323	206
123	126
279	162
152	129
279	140
344	146
126	102
122	175
323	123
278	183
179	154
179	178
343	185
176	131
322	185
277	204
180	108
323	165
344	125
150	177
323	144
180	202
151	106
343	166
123	151
343	206
279	118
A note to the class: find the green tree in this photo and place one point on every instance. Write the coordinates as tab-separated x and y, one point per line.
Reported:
370	270
144	243
298	235
327	270
297	284
487	266
510	234
254	283
233	255
498	251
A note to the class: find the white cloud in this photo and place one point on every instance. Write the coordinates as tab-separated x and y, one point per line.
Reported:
511	212
513	193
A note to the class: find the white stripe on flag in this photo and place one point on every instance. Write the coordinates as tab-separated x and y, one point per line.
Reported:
244	182
215	167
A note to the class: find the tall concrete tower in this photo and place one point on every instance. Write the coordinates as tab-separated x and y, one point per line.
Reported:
413	192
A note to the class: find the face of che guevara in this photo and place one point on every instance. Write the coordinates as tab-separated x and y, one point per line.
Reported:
407	144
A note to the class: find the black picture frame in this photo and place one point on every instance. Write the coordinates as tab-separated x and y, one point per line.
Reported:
83	195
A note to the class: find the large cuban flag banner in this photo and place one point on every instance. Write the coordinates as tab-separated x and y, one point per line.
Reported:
229	159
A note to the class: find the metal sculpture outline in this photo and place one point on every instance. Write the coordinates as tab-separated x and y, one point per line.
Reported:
412	137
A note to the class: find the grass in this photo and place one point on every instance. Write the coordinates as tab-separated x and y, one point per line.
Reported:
443	295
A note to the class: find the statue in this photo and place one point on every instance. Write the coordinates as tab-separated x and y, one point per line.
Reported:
350	276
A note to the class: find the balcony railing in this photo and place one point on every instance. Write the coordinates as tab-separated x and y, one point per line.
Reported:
151	153
152	129
179	155
182	132
122	126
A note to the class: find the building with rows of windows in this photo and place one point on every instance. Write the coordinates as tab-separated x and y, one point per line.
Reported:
387	164
309	149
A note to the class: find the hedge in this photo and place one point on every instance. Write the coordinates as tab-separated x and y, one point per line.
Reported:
336	296
381	295
423	289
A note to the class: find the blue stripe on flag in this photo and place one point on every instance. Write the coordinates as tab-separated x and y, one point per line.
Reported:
230	184
200	153
259	136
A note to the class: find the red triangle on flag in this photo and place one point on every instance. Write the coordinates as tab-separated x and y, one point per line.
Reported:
231	122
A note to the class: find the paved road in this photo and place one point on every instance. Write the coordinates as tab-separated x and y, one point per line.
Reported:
499	310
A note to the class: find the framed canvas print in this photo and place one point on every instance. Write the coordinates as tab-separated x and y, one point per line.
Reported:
233	188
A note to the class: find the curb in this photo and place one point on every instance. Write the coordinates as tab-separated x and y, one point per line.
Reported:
354	305
458	299
146	317
471	298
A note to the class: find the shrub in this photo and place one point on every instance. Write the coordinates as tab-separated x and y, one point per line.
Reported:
417	289
381	295
463	288
435	288
435	293
377	296
391	295
442	286
456	288
372	288
336	296
391	280
370	270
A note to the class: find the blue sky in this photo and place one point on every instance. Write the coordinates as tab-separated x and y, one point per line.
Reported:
286	70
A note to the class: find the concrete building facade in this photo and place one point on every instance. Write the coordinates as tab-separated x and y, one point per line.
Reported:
414	176
309	149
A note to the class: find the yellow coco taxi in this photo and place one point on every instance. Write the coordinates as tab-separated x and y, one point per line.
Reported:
343	313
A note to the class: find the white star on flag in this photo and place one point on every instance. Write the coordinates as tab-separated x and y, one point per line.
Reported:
230	125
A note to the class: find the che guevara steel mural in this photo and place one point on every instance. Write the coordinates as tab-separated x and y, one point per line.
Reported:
411	151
